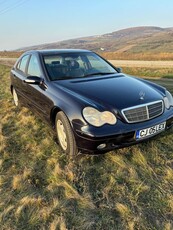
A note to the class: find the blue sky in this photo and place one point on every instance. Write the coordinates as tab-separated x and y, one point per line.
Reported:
32	22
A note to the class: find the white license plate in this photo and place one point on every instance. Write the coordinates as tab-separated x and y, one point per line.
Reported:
150	131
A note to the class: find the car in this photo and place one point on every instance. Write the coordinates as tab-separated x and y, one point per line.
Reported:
93	107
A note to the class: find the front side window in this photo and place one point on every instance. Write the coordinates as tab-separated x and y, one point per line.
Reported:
33	67
22	63
75	65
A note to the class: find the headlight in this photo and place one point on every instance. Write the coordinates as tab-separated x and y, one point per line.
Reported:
97	118
168	100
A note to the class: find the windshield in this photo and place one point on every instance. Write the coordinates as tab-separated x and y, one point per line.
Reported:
75	65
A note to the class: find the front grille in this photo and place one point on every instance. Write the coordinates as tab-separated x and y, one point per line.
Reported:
143	112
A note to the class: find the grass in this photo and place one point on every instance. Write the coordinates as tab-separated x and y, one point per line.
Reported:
40	188
138	54
10	54
149	72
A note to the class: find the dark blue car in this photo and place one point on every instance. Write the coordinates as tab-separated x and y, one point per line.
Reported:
91	104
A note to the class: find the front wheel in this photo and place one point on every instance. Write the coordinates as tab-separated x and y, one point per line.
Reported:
65	135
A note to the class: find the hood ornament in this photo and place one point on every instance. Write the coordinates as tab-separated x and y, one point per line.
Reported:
141	95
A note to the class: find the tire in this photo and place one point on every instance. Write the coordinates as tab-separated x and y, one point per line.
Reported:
65	135
15	97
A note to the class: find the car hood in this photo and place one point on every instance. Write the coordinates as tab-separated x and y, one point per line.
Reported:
118	91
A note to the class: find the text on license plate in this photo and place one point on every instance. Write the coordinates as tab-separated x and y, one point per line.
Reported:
150	131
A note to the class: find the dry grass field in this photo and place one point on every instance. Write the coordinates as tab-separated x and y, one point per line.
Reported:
7	61
40	189
149	69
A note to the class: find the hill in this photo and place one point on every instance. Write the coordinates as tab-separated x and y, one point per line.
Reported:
137	43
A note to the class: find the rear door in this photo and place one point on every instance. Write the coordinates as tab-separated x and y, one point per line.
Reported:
18	75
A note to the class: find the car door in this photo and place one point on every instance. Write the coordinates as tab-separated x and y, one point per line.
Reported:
37	95
18	75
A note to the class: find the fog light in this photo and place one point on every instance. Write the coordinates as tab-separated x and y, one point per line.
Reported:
101	146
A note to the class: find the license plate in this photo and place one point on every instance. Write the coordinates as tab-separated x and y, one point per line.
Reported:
150	131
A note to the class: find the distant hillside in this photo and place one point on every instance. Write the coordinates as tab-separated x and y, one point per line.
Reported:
134	42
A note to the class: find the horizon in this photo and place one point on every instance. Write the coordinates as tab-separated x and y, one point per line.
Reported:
47	24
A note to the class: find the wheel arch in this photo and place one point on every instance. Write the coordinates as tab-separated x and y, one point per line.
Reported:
53	114
11	89
56	109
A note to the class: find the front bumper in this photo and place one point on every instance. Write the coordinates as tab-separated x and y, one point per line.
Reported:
100	140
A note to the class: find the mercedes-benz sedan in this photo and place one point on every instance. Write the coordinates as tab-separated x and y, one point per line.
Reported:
93	107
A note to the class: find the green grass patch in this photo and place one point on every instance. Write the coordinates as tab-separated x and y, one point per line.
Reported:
130	188
149	72
168	76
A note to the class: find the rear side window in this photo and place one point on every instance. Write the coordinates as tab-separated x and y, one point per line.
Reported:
22	63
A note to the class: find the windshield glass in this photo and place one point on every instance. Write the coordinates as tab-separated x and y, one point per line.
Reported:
75	65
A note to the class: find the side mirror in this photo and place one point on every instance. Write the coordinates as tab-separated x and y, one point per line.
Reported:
119	69
33	80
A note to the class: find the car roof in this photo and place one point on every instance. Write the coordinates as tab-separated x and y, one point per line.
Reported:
56	51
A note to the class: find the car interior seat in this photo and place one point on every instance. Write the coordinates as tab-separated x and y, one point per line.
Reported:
74	68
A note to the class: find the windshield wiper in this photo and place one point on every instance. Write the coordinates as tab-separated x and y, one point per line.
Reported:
98	73
64	78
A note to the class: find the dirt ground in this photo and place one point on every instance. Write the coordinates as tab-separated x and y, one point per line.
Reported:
147	64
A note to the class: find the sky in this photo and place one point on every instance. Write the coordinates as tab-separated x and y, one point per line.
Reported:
32	22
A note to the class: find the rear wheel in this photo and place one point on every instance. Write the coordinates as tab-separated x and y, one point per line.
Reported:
15	97
65	135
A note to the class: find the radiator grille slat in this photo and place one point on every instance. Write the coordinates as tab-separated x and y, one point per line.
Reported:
143	112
